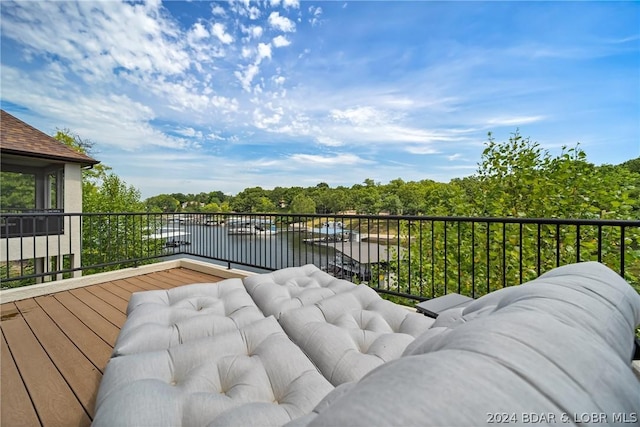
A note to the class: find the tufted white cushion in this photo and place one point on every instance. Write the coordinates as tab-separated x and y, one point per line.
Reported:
161	319
349	334
293	287
254	376
559	346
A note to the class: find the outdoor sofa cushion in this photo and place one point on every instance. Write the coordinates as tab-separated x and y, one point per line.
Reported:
160	319
349	334
252	376
556	350
293	287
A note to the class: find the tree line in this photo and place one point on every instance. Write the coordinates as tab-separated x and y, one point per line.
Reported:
515	178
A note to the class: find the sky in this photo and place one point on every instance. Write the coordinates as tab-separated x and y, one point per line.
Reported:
190	97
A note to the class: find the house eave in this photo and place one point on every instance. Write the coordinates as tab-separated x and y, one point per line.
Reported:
50	158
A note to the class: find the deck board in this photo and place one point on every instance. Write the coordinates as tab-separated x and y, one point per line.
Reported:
116	290
54	401
94	347
56	347
81	375
13	393
109	297
148	283
136	284
106	310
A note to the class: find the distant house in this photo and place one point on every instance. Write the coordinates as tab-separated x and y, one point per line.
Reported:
192	203
50	177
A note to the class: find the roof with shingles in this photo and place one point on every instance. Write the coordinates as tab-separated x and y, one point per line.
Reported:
19	138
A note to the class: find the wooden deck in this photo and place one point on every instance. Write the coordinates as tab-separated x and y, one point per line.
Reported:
54	348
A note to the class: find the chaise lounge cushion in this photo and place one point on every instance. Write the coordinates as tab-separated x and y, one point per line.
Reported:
604	302
349	334
559	346
293	287
160	319
253	376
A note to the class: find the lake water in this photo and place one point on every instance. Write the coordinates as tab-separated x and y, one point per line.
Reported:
284	249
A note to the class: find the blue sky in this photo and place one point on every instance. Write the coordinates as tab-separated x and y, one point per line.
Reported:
205	96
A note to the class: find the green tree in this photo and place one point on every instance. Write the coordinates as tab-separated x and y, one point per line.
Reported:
248	199
108	235
632	165
302	204
392	204
111	195
517	178
264	204
367	197
162	203
413	197
340	200
17	190
211	208
84	146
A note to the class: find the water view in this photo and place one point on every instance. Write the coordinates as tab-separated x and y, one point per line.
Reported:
284	248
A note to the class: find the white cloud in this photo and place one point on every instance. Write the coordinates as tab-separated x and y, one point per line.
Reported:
219	31
246	75
198	32
254	13
216	9
338	159
189	132
304	53
398	102
328	141
514	121
281	41
143	41
316	13
420	149
118	47
291	3
279	80
281	23
358	115
264	51
262	121
256	32
224	104
109	120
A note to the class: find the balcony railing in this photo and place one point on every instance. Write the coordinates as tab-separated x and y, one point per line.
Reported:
30	222
408	256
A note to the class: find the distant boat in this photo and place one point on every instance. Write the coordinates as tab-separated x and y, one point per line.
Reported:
251	226
265	228
172	237
330	232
